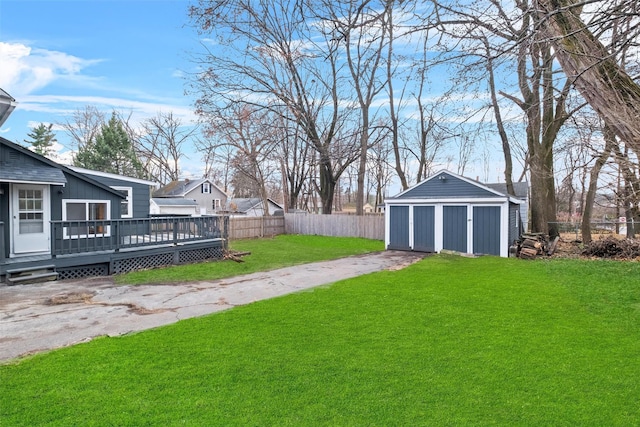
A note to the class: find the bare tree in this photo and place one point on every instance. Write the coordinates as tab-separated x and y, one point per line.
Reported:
217	160
160	146
84	125
595	71
277	56
492	30
293	153
362	28
250	132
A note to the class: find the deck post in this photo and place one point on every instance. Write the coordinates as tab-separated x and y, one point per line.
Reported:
52	227
116	225
175	231
2	251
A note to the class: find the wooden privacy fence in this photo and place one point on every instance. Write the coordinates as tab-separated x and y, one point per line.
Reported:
368	226
250	227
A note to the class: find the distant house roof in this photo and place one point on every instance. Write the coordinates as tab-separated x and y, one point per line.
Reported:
246	204
520	188
167	201
181	188
113	176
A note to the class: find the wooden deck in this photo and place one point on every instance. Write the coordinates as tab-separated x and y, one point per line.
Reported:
94	248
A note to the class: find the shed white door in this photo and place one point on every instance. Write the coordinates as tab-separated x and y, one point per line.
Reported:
31	214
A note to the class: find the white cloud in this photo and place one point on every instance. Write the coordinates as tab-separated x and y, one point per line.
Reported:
26	69
65	104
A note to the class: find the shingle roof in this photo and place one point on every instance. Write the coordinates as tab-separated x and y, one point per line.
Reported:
520	188
244	204
37	173
178	188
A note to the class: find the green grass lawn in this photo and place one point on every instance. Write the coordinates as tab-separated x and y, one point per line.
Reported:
266	254
446	341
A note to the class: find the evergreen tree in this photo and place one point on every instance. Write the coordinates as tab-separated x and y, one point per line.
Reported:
111	151
42	139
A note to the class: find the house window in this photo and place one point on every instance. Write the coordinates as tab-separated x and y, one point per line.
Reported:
206	188
126	205
216	204
87	218
31	211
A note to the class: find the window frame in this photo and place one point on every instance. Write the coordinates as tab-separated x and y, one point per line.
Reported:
207	186
105	232
129	200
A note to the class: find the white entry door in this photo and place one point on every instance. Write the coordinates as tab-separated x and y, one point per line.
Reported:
31	215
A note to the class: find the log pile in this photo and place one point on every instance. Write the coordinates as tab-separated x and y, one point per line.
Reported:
234	255
611	247
532	245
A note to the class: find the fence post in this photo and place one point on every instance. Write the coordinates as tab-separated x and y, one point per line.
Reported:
225	232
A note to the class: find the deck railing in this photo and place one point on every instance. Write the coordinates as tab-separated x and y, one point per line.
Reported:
74	237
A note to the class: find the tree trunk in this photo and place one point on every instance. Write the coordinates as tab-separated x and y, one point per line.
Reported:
600	79
362	166
585	227
327	185
506	147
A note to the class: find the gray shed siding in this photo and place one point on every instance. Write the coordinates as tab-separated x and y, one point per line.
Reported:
449	187
424	224
399	228
448	211
454	228
486	230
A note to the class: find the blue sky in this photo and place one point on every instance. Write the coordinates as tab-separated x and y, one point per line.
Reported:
58	56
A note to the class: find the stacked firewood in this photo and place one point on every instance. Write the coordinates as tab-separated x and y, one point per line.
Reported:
532	245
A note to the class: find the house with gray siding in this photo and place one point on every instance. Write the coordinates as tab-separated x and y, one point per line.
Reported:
447	211
208	196
137	192
35	190
58	222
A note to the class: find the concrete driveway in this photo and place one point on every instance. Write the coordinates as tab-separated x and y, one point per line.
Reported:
40	317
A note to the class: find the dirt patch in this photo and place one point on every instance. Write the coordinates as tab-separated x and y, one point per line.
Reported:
87	298
70	298
136	309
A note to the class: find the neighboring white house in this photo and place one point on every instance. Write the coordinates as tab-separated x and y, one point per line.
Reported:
208	197
168	206
251	207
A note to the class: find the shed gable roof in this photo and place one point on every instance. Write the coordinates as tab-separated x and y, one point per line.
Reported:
448	185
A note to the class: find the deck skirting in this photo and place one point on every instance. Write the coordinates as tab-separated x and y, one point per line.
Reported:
104	263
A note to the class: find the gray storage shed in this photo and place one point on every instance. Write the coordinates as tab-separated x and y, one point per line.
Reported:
449	211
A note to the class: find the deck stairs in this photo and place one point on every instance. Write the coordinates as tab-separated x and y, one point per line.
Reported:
41	273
